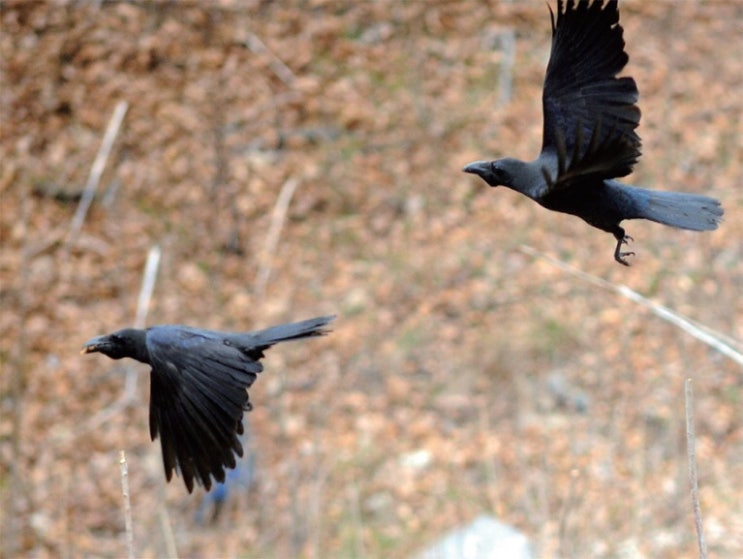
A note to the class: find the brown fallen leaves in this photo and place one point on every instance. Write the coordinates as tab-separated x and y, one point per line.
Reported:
429	404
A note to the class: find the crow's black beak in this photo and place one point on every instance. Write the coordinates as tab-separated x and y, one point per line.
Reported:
482	169
95	344
477	168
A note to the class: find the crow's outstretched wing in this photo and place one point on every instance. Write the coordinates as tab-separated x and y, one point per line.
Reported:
198	393
590	115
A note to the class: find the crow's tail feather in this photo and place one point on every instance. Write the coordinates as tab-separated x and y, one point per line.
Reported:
678	209
293	331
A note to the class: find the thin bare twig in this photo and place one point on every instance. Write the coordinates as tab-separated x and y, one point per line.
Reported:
506	41
166	528
278	217
692	459
284	73
15	491
148	285
143	304
297	534
357	519
127	505
570	500
704	334
315	506
96	170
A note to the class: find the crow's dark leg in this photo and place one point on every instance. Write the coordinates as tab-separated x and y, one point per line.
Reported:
622	239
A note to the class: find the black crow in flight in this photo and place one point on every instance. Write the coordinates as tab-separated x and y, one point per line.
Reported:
198	388
589	137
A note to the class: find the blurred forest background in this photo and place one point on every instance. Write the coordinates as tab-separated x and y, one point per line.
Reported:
299	158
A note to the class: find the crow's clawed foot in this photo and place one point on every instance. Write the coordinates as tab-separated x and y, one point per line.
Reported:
619	256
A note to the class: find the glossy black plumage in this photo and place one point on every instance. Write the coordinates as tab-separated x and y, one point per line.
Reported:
589	137
198	388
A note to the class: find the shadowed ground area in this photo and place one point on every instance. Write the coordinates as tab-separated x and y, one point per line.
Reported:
464	375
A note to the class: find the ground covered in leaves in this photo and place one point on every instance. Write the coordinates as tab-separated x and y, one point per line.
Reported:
465	374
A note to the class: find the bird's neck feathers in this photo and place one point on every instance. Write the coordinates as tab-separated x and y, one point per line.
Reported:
131	342
525	177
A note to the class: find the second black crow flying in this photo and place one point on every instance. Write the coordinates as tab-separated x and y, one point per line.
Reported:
589	137
198	388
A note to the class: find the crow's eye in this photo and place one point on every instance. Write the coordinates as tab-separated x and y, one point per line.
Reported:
497	171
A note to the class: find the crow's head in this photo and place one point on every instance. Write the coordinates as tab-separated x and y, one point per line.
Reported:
128	342
495	173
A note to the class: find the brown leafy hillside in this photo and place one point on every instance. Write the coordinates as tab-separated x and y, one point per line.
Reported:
464	375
